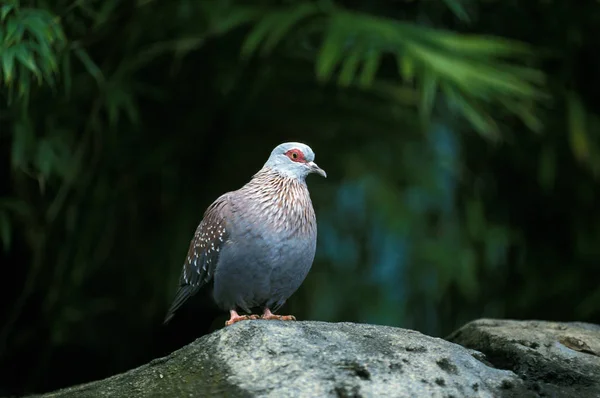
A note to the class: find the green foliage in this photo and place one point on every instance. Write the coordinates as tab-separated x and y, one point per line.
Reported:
467	67
29	42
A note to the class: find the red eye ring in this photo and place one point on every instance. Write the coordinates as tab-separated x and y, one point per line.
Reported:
296	155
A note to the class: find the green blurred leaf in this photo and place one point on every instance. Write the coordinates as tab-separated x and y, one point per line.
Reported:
406	67
103	15
330	52
27	60
89	64
428	94
481	121
369	70
349	67
578	135
5	10
66	73
458	9
23	141
46	157
13	31
5	231
8	64
285	21
258	34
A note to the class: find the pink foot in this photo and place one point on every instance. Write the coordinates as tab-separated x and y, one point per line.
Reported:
235	317
269	315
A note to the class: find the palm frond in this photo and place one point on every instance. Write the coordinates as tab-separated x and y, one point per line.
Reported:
470	67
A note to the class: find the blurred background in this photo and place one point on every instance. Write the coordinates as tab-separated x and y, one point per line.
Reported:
461	141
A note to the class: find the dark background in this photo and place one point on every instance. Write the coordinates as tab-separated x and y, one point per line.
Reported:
462	170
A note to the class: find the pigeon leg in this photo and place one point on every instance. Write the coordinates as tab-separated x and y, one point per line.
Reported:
235	317
267	314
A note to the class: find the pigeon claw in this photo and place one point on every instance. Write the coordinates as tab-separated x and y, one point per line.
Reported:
235	317
279	317
268	315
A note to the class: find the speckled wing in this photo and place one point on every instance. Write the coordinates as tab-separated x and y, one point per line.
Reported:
203	254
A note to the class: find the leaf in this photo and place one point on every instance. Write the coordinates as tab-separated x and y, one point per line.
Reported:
103	15
480	120
12	28
233	18
577	127
5	231
458	9
4	10
66	73
16	206
89	64
259	33
22	143
27	60
406	67
482	45
473	76
330	52
526	113
428	93
8	61
370	67
45	158
285	22
349	67
24	86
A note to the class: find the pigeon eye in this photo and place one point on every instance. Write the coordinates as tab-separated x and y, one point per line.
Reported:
295	155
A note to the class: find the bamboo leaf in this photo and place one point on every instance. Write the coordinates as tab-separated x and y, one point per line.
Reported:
26	59
5	10
24	86
285	22
44	158
66	73
12	28
370	67
22	143
234	18
330	52
349	67
577	127
258	34
108	6
481	45
8	64
5	231
89	65
458	9
406	67
428	93
479	119
525	112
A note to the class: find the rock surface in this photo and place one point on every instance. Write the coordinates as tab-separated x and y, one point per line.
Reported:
553	359
317	359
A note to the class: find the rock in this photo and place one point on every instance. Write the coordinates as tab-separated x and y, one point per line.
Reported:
553	359
312	359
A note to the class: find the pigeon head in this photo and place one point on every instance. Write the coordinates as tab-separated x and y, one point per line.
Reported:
294	160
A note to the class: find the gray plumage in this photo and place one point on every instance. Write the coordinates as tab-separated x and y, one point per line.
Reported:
256	244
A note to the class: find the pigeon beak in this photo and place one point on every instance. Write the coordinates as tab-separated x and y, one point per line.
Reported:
316	169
